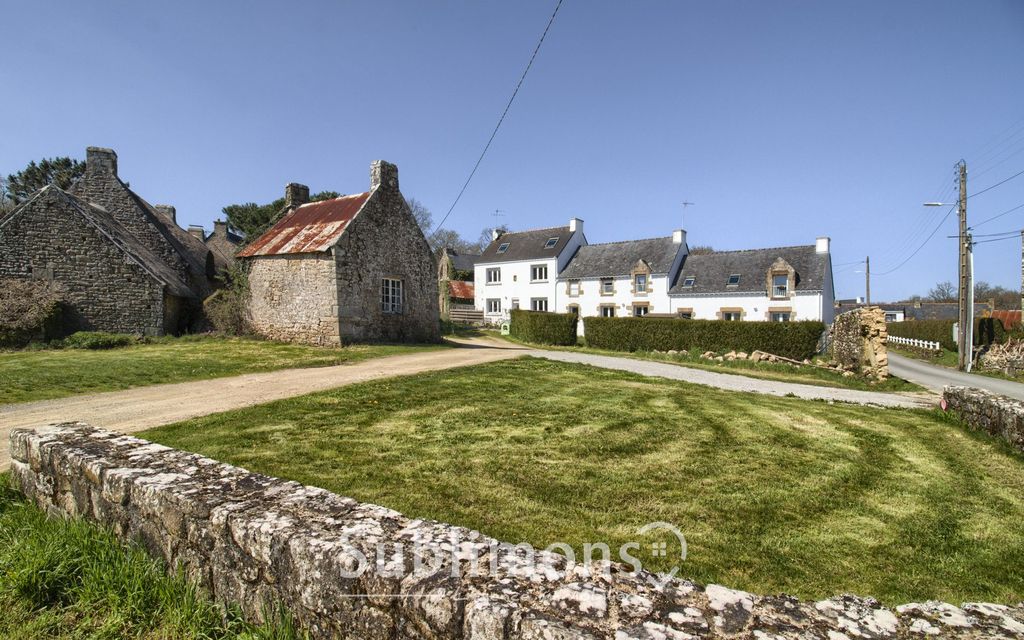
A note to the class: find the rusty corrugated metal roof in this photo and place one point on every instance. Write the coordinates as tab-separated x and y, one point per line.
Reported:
460	289
311	228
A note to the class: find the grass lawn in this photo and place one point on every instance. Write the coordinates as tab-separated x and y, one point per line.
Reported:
69	579
773	494
764	370
45	374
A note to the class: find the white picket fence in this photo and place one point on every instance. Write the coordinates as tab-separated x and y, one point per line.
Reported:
912	342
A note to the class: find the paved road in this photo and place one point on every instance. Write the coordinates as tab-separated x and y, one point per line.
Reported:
733	382
934	377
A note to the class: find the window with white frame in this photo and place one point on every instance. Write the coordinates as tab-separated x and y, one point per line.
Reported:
538	273
734	280
731	315
574	287
640	282
551	243
780	285
640	310
780	316
503	247
607	311
391	295
686	314
574	309
539	304
494	275
607	286
688	281
493	305
890	317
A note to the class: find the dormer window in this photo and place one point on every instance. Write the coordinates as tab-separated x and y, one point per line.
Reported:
550	243
688	281
503	247
780	285
734	280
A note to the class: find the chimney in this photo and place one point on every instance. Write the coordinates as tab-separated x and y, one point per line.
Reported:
99	160
168	211
383	174
295	195
220	227
197	231
575	224
679	236
822	244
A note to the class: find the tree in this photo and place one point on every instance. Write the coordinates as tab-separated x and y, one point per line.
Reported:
943	292
6	203
423	216
252	220
1004	298
701	250
487	235
60	172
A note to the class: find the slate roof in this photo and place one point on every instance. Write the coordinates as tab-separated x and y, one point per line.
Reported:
712	270
618	258
462	261
117	234
312	228
527	245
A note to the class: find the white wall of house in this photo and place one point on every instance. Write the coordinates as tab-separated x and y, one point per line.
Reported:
801	306
517	286
590	299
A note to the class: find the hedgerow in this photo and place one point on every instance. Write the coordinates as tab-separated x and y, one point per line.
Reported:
797	340
542	327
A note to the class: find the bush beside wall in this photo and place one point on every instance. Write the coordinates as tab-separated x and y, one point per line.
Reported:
797	340
30	311
986	331
542	327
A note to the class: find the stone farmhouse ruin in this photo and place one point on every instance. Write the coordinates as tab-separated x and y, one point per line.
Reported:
354	268
120	263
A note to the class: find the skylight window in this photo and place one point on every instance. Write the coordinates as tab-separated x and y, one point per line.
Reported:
550	243
688	281
503	247
734	280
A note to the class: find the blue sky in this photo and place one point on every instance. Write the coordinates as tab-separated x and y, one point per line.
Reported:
782	121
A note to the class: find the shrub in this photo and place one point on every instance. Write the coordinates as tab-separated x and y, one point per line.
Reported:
99	340
30	311
226	308
797	340
986	331
542	327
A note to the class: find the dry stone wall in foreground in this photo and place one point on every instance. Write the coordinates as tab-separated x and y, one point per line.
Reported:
251	539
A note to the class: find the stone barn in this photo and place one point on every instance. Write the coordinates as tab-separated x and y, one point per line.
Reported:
121	264
352	269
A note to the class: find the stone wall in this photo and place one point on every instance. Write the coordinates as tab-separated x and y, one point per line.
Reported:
997	415
385	241
858	341
49	240
251	539
294	297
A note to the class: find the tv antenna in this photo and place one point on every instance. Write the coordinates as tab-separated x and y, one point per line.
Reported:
499	213
685	203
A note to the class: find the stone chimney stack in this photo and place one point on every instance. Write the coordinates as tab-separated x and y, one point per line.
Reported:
575	224
295	195
168	211
99	160
383	174
220	227
197	231
679	236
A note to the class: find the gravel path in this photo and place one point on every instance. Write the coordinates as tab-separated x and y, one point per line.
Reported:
731	382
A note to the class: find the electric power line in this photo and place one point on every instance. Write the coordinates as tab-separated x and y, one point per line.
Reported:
501	119
999	215
978	193
930	236
1015	235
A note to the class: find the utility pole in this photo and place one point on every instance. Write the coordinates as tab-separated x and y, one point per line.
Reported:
1022	275
867	280
964	350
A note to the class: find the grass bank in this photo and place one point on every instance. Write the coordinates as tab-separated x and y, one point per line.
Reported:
772	494
69	579
777	371
46	374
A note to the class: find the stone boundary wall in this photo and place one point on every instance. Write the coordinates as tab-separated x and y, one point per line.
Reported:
998	415
858	341
250	539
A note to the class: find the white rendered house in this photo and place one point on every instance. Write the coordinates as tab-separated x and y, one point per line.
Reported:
619	279
781	284
519	270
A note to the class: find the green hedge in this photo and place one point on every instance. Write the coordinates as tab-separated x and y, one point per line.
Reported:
986	331
542	327
797	340
98	340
